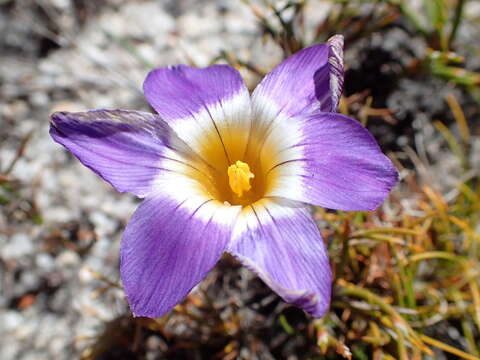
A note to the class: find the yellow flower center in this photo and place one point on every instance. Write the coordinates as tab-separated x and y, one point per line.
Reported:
239	176
238	164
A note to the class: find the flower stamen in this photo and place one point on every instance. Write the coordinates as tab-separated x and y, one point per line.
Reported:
239	176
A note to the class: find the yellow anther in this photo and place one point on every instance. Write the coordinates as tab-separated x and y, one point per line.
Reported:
239	176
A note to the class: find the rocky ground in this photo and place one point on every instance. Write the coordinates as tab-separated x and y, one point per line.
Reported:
60	224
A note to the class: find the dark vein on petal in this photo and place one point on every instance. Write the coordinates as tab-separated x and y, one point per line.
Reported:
285	163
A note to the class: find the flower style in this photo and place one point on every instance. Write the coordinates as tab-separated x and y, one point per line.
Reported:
221	170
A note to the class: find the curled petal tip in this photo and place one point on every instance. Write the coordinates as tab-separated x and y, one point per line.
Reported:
54	117
336	40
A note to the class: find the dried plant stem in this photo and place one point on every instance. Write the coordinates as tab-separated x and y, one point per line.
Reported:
447	348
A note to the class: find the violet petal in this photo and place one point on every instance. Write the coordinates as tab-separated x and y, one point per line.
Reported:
281	243
209	105
126	148
309	80
168	247
334	162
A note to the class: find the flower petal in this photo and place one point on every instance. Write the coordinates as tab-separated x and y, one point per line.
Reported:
331	160
281	243
310	80
126	148
335	60
207	107
168	247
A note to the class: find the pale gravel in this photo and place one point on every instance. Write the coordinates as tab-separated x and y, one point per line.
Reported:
95	69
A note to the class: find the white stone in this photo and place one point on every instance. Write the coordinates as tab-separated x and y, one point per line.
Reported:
67	258
11	320
44	261
18	245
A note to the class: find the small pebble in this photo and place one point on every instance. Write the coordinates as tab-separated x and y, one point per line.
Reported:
44	261
11	320
17	246
67	258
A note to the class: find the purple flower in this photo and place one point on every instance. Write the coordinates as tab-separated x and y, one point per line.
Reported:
221	170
